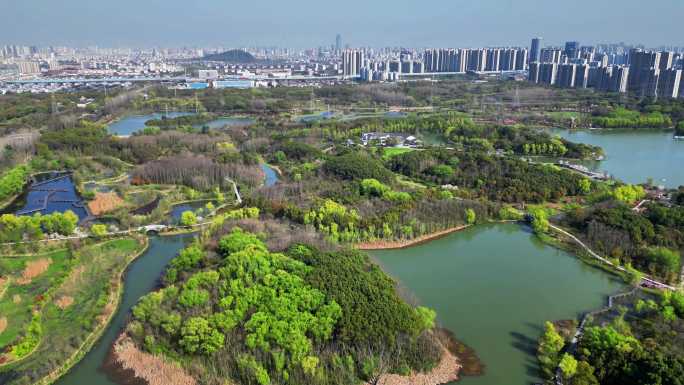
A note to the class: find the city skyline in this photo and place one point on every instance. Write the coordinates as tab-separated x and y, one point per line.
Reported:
304	23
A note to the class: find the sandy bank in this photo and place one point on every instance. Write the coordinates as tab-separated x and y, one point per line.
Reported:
446	371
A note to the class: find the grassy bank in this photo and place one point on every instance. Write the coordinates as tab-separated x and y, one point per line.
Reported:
85	294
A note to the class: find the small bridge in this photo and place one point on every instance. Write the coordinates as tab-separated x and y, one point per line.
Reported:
153	228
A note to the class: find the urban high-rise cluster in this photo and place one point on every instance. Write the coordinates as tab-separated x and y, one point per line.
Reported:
613	67
646	73
606	67
370	67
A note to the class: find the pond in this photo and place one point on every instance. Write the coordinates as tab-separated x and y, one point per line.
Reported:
51	192
130	124
226	122
179	209
494	286
634	156
134	123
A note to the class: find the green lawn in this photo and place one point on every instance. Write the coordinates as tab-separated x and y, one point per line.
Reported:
20	299
391	152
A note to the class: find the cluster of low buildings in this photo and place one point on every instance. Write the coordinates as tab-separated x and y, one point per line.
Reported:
389	139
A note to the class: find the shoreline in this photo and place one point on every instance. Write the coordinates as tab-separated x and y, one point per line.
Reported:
127	365
458	361
391	245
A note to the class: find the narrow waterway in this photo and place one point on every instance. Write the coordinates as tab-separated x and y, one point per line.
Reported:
494	287
634	156
270	175
142	277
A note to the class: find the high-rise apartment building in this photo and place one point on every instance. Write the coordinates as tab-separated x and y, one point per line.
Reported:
567	75
533	73
548	73
640	65
521	62
667	60
669	83
28	67
352	62
535	49
619	81
582	78
551	55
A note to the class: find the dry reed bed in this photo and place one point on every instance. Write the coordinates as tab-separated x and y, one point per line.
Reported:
34	269
152	369
104	203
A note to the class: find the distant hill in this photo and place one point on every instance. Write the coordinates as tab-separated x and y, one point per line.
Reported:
232	56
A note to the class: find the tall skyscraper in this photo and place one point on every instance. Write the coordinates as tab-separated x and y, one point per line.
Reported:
572	50
338	43
535	49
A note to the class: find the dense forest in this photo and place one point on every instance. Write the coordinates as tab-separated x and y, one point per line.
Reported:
302	315
649	242
638	342
493	177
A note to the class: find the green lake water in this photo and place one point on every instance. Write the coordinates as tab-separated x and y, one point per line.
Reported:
494	286
633	156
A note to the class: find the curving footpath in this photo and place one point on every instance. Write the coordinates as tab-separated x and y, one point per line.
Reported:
648	281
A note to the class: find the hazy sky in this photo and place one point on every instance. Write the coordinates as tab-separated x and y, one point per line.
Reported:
309	23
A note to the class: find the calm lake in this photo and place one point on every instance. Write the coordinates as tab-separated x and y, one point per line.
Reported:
494	286
633	156
130	124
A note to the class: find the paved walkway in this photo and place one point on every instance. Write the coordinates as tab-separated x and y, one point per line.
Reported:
648	281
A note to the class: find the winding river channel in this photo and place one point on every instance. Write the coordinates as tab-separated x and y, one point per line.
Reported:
142	277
